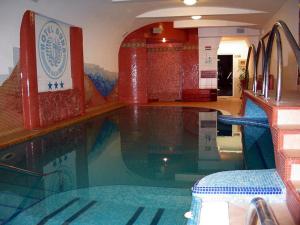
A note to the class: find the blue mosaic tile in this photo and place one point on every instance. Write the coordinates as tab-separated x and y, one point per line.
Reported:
252	110
104	81
260	122
241	185
196	211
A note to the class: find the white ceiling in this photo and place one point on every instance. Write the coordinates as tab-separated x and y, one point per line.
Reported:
129	13
163	10
106	23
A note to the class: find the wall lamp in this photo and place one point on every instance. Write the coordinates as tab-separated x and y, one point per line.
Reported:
190	2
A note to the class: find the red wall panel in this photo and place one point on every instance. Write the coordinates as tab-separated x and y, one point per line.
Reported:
44	109
164	72
28	71
152	70
133	73
168	32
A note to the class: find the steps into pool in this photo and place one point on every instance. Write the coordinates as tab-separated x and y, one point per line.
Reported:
208	213
241	186
284	120
16	198
110	205
236	187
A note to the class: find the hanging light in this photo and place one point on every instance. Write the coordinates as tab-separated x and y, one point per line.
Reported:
190	2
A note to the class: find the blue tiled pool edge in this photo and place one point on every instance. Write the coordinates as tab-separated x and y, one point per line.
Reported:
236	187
241	186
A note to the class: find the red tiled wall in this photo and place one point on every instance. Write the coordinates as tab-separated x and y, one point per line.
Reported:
152	70
293	202
54	106
43	109
168	32
164	72
133	73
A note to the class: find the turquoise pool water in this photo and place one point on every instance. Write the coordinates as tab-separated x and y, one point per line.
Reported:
135	165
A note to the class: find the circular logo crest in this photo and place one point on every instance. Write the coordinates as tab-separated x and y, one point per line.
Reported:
52	47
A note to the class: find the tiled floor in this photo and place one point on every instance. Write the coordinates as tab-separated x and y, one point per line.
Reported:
230	105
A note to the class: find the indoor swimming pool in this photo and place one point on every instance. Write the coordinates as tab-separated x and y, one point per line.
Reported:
135	165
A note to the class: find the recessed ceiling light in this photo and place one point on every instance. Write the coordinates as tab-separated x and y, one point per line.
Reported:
190	2
196	17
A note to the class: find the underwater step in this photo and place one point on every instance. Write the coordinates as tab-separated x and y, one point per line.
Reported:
16	201
237	120
31	192
110	205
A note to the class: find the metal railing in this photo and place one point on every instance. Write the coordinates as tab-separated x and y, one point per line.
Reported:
24	171
261	51
274	34
266	60
260	210
253	51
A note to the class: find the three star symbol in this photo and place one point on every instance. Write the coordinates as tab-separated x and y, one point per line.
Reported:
55	85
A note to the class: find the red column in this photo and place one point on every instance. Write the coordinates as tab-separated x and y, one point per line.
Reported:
76	47
28	72
133	73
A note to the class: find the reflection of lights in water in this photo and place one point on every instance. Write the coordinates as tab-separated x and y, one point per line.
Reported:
165	160
188	215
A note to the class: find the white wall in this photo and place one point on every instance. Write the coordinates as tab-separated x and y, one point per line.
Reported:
102	32
232	43
208	61
289	13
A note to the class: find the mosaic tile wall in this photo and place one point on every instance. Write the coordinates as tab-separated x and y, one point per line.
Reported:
37	103
164	72
11	116
100	85
133	73
158	71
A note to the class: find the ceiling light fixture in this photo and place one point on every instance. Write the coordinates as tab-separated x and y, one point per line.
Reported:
196	17
190	2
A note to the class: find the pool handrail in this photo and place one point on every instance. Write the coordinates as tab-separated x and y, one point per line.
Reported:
24	171
253	51
259	209
261	48
295	48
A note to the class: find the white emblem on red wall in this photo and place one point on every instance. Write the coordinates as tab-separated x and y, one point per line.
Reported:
53	51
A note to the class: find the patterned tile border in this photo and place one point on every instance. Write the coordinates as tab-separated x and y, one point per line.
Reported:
134	45
153	48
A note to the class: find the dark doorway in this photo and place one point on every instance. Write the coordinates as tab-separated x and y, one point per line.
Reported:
225	75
